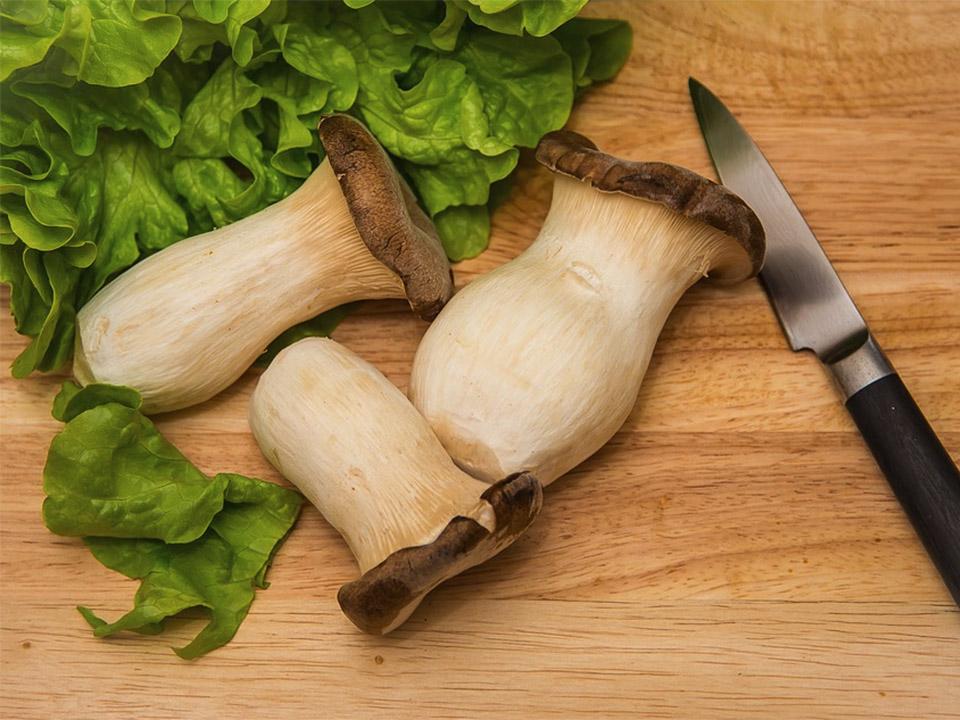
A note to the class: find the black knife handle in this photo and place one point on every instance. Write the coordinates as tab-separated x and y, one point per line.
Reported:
918	468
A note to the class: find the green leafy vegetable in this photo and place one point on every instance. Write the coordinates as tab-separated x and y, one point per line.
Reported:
29	29
597	48
109	472
82	109
150	514
444	36
130	124
219	571
72	400
514	17
469	224
525	87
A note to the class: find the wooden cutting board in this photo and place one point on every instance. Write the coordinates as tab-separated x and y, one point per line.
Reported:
732	553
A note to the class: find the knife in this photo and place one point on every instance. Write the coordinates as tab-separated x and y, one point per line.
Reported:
817	314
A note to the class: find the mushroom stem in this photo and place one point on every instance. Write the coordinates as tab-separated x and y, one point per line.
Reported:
618	263
535	365
219	298
359	451
185	323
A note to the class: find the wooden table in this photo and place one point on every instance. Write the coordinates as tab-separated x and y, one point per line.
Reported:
732	553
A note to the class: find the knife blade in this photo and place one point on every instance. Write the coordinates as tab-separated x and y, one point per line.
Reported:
817	313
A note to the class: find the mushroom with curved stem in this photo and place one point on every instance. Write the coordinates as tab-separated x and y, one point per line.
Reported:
335	427
537	364
186	322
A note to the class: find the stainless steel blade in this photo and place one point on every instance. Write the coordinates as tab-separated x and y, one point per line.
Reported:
814	308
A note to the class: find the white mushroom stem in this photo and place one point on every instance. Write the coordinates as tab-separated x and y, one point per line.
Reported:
353	444
185	323
535	365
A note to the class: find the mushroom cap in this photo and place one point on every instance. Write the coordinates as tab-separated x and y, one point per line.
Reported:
681	190
386	213
386	594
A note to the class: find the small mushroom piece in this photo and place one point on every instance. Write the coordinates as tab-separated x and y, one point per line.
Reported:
358	450
186	322
536	364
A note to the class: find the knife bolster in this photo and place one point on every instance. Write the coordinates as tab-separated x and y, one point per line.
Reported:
862	367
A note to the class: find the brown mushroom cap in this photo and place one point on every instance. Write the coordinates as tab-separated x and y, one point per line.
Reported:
386	594
386	213
681	190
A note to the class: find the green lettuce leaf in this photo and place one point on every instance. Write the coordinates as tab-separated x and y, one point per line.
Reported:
73	400
242	38
51	310
597	48
444	36
317	55
145	511
303	88
138	211
463	179
211	119
29	30
525	87
229	22
76	222
198	37
218	126
114	42
35	163
513	17
82	109
425	124
110	473
218	572
465	230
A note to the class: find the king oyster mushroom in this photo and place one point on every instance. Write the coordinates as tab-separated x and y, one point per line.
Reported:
535	365
185	323
355	446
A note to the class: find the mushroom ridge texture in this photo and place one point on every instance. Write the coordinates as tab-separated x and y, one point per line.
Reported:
535	365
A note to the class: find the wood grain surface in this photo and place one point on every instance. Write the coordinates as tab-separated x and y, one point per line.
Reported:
732	553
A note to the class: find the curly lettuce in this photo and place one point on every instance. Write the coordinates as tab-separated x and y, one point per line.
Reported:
131	124
145	511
